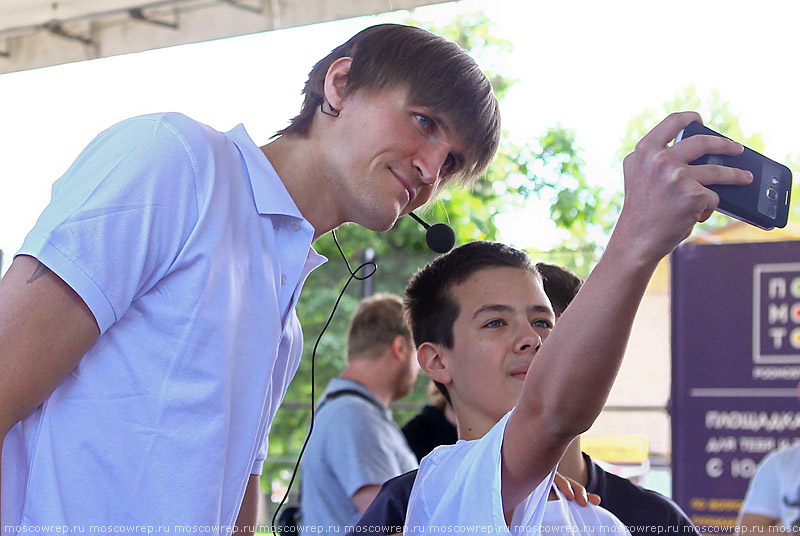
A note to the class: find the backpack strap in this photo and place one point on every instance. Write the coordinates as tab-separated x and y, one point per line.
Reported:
351	392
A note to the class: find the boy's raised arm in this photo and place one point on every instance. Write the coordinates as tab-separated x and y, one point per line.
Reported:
571	376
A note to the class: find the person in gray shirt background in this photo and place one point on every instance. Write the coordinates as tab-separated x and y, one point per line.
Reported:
355	445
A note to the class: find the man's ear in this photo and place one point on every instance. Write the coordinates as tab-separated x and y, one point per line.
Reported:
335	86
401	348
430	360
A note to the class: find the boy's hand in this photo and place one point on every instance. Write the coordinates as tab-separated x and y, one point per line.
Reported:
574	491
664	195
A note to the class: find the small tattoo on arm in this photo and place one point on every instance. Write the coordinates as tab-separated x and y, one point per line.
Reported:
41	270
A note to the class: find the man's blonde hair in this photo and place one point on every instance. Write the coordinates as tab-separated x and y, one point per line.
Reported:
375	324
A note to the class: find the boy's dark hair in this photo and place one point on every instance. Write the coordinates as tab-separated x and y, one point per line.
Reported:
438	73
560	285
429	305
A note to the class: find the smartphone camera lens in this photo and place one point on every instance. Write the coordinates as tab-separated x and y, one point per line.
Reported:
775	181
772	194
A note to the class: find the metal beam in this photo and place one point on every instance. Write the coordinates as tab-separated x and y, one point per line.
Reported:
120	31
241	5
137	13
55	28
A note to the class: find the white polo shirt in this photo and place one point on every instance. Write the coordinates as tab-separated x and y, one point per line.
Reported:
191	254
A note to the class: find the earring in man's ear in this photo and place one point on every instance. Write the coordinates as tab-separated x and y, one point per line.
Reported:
333	113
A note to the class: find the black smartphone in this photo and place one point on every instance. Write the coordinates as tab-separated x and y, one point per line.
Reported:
765	201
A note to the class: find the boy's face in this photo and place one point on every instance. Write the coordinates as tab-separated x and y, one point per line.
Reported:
504	317
386	156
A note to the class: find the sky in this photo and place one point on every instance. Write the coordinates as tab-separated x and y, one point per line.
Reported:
590	66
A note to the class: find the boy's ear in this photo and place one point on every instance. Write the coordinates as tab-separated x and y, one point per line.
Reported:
430	360
335	86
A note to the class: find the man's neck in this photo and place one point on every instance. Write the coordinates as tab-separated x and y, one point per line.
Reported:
298	163
371	379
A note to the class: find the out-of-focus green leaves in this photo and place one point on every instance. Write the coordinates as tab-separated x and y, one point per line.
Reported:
717	114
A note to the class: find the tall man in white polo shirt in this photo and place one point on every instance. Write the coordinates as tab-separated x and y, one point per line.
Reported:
147	325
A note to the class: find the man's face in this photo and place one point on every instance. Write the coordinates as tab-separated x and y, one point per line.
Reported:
387	157
408	374
504	317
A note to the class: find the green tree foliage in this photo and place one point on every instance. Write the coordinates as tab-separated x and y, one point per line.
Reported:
551	168
717	113
586	211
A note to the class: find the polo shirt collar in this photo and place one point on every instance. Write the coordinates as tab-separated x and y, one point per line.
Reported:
269	192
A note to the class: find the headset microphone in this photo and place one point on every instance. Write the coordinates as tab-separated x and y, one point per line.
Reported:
439	237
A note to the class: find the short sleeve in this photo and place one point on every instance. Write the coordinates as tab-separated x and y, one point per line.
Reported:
367	456
261	456
119	216
763	493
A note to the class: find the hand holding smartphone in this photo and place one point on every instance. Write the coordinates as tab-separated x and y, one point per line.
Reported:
764	202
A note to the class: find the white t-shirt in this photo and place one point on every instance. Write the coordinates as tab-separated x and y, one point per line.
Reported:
775	489
458	489
190	253
571	518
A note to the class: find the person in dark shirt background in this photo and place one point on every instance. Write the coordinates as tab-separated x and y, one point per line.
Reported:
434	425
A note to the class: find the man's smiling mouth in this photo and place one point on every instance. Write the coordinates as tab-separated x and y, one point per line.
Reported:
411	193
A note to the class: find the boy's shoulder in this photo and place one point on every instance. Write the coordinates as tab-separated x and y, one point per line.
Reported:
461	485
462	456
448	468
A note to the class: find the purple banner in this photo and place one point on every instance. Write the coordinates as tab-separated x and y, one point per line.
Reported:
735	370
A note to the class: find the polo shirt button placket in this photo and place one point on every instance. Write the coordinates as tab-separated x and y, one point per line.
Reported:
295	225
283	279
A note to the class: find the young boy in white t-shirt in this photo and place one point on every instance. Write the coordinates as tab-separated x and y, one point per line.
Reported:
501	317
479	315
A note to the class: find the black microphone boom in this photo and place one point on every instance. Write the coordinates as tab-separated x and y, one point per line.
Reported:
440	237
